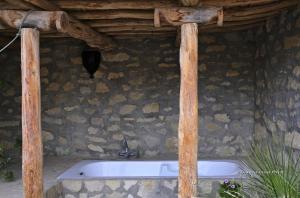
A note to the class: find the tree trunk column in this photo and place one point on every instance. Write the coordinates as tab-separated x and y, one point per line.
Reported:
188	115
32	149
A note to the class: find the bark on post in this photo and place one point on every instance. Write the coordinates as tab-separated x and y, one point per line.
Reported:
32	148
188	115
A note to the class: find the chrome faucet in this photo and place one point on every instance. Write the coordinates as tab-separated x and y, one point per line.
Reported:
126	152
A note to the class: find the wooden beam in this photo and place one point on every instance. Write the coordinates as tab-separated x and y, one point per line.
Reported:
89	35
44	4
114	14
19	4
235	3
188	112
143	33
135	28
56	20
113	4
77	29
32	146
45	21
258	10
181	15
122	22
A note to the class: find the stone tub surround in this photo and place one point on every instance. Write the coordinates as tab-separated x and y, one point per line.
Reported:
135	94
165	188
277	65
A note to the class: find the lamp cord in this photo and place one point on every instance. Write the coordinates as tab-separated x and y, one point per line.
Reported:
18	33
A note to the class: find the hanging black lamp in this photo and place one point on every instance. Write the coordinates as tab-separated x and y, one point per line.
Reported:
91	60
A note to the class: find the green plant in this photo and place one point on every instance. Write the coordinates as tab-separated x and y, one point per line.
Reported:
230	189
275	170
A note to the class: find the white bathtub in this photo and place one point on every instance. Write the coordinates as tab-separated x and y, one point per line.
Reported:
91	169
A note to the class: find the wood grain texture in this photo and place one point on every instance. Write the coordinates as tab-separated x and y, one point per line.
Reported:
32	147
45	21
18	4
56	21
45	4
180	15
134	28
111	13
188	111
113	4
114	14
78	29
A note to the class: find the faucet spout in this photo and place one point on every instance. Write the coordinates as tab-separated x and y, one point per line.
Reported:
125	152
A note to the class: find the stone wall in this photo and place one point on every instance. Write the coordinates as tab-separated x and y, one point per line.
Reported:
277	65
131	188
135	94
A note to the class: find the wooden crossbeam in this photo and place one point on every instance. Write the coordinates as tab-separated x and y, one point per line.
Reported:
181	15
44	4
235	3
76	29
121	22
113	14
44	21
135	28
56	20
114	4
20	4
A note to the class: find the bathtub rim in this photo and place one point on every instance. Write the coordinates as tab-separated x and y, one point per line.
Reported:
62	176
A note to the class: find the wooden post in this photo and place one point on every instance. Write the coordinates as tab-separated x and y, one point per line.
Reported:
32	148
188	115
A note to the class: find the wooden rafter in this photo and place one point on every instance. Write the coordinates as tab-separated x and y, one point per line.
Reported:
181	15
44	4
113	4
20	4
120	13
76	28
113	14
45	21
235	3
55	20
122	22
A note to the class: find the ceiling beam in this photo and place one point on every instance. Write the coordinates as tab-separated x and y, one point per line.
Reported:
18	4
135	28
44	4
114	4
234	3
43	20
54	20
181	15
114	14
122	22
78	29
